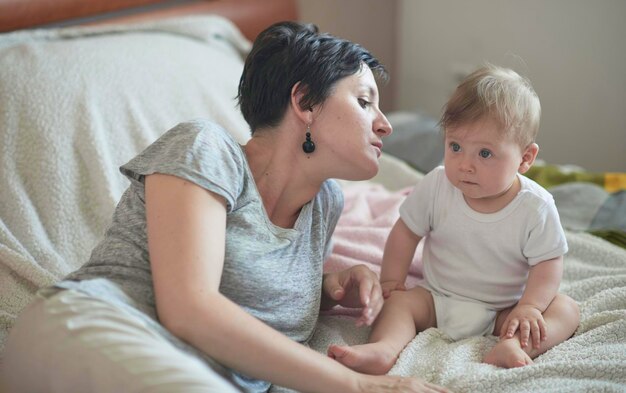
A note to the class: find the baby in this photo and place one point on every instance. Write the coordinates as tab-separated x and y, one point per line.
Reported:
493	243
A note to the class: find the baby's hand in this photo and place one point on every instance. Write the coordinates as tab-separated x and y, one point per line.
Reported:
390	286
529	320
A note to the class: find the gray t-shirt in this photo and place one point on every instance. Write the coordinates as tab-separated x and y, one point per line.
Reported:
274	273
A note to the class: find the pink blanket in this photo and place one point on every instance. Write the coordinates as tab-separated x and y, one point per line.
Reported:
370	210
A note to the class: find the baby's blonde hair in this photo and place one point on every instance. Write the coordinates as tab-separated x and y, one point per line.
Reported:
500	94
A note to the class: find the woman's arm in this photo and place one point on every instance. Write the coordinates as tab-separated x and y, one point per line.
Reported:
186	238
399	251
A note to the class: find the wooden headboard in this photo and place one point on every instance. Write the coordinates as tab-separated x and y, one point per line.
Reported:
251	16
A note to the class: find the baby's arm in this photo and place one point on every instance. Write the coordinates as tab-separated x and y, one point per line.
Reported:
399	251
541	288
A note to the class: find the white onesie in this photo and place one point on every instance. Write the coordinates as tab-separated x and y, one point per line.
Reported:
479	258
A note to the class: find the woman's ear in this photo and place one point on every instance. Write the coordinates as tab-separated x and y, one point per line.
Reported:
528	157
297	93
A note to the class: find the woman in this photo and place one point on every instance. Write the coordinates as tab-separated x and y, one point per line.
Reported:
210	275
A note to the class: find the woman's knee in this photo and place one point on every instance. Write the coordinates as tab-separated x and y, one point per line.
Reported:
23	360
87	341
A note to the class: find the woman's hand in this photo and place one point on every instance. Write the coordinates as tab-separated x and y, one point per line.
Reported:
530	323
355	287
396	384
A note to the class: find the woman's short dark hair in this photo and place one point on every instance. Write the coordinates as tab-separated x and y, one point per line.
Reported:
287	53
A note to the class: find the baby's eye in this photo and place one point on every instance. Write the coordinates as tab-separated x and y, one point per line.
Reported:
455	147
484	153
363	103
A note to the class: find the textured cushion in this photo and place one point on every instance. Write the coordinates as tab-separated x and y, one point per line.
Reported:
75	104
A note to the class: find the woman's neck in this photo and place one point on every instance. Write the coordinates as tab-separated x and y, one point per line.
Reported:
282	181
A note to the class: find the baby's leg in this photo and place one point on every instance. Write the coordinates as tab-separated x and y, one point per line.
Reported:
562	317
404	314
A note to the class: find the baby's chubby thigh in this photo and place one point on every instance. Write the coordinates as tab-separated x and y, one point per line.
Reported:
419	302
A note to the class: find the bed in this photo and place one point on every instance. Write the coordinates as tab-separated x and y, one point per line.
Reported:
79	98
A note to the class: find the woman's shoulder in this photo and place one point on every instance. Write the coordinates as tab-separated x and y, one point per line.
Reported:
200	129
200	151
331	196
198	139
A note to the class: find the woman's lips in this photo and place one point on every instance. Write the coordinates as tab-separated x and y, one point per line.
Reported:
379	148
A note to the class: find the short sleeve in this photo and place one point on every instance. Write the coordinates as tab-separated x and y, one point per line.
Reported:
417	209
201	152
546	238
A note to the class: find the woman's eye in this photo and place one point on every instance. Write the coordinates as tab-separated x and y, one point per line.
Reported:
363	103
484	153
455	147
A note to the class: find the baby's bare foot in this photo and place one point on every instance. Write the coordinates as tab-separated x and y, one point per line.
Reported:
508	354
373	358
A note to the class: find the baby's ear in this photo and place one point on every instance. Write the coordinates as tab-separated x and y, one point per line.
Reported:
528	157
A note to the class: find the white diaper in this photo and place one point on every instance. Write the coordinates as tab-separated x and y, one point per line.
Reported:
461	319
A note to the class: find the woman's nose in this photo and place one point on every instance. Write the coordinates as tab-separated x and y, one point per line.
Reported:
382	125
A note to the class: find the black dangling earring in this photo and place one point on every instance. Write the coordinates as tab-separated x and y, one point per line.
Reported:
308	146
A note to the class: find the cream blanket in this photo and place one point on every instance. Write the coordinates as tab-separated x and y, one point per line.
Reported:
594	360
75	104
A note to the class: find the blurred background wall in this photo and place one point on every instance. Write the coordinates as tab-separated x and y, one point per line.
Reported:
573	51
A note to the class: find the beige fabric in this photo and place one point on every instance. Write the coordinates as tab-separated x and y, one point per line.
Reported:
75	343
